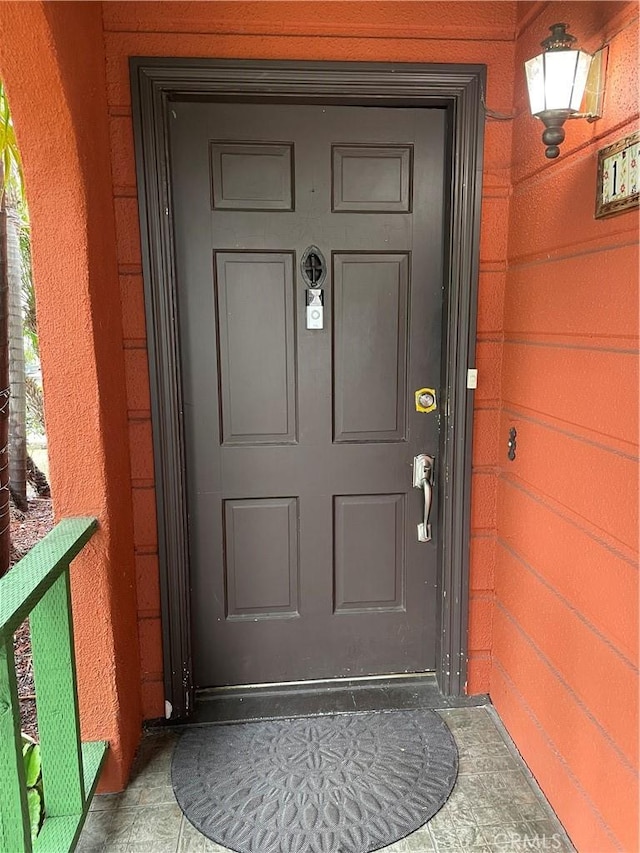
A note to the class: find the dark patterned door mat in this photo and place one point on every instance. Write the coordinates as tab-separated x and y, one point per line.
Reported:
339	784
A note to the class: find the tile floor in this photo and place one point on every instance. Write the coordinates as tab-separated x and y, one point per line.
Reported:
495	806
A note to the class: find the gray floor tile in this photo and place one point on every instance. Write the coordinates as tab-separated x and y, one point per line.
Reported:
534	811
465	765
418	842
496	748
494	808
104	802
110	802
154	756
192	841
460	815
156	795
491	763
446	848
96	829
154	824
459	798
518	786
471	788
142	847
552	836
470	837
498	814
440	820
108	826
443	836
150	778
507	787
508	837
490	736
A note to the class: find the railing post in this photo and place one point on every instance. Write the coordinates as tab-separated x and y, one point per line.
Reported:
54	672
38	587
15	833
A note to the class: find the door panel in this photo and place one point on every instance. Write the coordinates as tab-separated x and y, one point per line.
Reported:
255	300
302	516
261	558
369	533
248	176
370	302
372	179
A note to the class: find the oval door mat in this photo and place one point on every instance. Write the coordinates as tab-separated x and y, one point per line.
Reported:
338	784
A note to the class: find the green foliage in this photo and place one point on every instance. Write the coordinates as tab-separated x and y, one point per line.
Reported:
13	178
33	774
34	801
33	382
28	292
13	185
35	408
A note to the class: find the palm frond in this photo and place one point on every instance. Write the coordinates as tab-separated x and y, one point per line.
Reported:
13	177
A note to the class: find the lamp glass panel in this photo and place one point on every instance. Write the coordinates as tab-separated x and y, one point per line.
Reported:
534	69
582	72
559	73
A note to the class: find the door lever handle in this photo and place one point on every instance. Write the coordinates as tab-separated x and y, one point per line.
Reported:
423	479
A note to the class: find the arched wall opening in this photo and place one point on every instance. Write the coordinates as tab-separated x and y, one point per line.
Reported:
54	78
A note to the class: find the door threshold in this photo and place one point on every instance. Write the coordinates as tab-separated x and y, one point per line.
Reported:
319	683
320	698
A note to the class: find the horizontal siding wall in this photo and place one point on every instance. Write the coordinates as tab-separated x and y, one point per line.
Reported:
565	641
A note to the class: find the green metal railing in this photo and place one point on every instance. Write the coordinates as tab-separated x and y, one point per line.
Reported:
38	587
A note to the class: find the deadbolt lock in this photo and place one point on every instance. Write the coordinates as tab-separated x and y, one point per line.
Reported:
426	400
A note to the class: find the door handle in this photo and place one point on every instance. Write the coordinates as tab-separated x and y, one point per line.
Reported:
423	479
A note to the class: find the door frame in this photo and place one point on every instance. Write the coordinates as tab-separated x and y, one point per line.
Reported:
155	83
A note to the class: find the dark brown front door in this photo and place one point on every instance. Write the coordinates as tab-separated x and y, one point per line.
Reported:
305	560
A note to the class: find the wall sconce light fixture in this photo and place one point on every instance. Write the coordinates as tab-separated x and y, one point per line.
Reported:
557	80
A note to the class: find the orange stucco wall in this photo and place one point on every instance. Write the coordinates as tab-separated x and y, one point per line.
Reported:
52	62
381	31
565	643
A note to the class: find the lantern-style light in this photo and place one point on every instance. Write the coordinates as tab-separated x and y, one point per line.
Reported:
556	81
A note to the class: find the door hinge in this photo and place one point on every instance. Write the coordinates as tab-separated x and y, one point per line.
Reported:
472	378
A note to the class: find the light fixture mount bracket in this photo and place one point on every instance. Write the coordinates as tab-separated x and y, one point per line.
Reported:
559	39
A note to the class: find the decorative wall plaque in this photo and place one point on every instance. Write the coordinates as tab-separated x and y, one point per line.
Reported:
617	188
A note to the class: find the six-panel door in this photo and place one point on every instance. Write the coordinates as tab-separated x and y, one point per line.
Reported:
302	516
